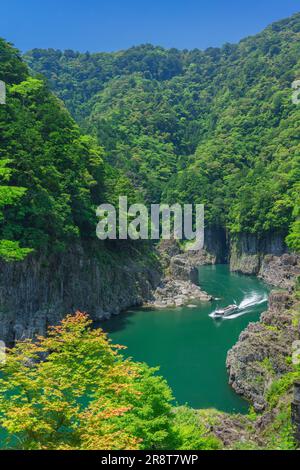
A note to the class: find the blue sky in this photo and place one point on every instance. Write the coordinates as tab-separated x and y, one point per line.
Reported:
98	25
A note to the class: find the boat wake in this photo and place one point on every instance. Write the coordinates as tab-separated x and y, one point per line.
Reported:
254	299
245	306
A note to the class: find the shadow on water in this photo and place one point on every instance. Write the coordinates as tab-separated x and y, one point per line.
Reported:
191	347
122	321
117	324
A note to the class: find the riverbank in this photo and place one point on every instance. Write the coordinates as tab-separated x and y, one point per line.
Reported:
43	288
261	369
259	365
261	354
180	283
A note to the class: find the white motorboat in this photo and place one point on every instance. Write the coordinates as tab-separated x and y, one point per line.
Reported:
225	312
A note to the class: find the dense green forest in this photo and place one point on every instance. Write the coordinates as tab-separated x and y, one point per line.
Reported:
52	176
215	126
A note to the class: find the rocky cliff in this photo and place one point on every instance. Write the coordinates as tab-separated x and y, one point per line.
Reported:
42	289
179	286
281	271
266	258
247	251
262	352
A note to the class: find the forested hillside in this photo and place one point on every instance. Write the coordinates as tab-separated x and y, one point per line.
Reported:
215	126
52	176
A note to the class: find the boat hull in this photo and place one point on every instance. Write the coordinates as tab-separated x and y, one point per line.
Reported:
226	312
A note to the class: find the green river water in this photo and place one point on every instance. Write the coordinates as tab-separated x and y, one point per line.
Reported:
188	345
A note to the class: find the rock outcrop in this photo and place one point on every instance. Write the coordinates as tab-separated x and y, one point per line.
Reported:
176	293
180	284
185	266
260	356
281	271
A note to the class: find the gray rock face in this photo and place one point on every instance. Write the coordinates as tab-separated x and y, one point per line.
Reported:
185	265
176	293
179	287
216	243
231	429
260	354
267	259
180	268
281	271
41	290
247	252
167	249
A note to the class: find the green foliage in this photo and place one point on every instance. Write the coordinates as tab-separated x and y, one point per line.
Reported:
74	390
216	127
11	251
246	446
12	69
293	239
8	194
193	435
252	414
279	387
280	435
63	171
78	77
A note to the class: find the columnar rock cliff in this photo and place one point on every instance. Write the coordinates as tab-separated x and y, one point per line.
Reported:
281	271
266	258
248	251
39	291
42	289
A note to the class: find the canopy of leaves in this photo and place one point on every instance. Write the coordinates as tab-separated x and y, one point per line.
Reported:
75	390
53	176
215	126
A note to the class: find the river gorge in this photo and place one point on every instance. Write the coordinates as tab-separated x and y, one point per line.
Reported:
190	346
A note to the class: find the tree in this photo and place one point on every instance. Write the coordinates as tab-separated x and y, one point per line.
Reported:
10	250
74	390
